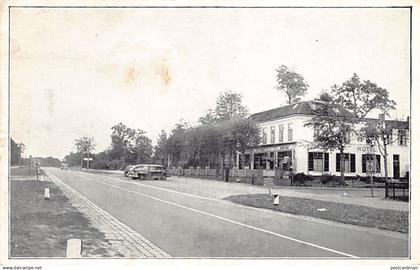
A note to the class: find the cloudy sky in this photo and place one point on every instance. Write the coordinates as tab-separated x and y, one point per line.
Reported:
77	72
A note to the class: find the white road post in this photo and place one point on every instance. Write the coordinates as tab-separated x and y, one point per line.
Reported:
276	199
47	194
74	248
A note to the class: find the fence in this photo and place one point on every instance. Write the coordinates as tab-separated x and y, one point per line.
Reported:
397	190
254	177
235	175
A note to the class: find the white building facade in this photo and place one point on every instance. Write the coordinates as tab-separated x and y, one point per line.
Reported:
287	144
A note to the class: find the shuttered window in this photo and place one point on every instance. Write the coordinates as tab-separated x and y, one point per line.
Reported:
368	163
318	161
349	162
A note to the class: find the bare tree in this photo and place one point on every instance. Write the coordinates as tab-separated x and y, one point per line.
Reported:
380	131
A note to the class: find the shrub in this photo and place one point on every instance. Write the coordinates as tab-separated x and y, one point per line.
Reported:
327	178
301	178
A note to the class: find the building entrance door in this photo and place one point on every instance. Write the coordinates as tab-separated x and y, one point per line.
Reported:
396	162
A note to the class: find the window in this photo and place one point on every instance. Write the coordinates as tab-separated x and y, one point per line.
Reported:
349	162
290	132
369	161
402	137
272	134
260	160
281	131
264	136
318	162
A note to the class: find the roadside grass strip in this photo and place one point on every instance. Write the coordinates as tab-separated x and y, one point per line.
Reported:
40	228
384	219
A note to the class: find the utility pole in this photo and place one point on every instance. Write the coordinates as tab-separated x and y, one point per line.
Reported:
30	164
87	162
373	166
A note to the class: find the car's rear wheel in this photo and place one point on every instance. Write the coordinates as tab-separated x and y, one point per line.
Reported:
134	178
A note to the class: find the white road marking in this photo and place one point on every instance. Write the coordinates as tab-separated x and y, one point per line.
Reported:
226	219
397	235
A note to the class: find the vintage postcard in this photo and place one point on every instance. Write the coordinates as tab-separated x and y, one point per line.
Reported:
199	134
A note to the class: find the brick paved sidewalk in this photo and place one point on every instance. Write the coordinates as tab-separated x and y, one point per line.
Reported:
123	239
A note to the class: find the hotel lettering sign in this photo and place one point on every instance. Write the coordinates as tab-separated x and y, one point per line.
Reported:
366	149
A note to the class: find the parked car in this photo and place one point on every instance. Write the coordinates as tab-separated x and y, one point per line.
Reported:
64	166
148	171
129	168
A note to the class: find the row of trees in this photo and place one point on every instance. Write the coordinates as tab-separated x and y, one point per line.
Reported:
215	140
212	142
128	146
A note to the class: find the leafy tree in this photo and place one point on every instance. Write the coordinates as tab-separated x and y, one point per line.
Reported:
143	148
246	134
208	118
360	98
130	145
84	145
291	83
176	144
49	161
160	148
16	150
325	97
73	159
333	126
229	106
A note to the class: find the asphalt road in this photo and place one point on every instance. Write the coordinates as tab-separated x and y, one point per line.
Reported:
186	225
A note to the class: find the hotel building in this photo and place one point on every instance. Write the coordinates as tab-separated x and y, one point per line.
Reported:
287	144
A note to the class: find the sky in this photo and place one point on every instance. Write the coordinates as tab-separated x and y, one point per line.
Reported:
78	72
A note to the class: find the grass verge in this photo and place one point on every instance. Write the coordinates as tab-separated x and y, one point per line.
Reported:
385	219
41	228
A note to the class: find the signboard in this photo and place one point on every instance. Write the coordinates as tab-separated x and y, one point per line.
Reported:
366	149
370	166
90	159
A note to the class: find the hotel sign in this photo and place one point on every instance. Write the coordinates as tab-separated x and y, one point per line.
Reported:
367	149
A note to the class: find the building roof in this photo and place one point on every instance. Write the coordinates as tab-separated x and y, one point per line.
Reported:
302	108
395	124
309	108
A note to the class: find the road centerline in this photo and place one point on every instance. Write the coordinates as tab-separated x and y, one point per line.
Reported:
224	219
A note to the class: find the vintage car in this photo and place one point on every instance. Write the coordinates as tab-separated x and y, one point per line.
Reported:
129	168
148	171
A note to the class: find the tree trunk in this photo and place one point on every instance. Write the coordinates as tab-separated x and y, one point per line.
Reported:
342	166
81	161
228	166
385	163
243	159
